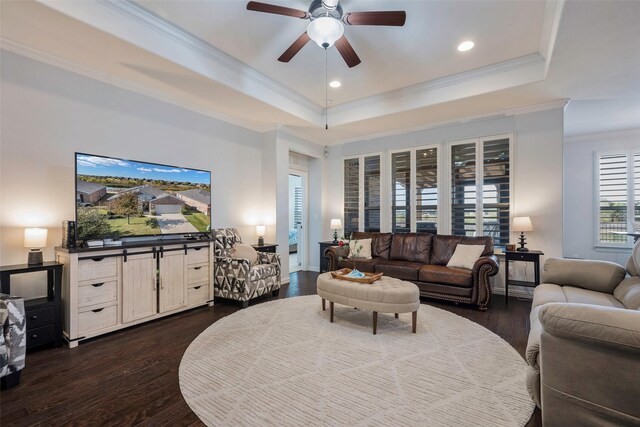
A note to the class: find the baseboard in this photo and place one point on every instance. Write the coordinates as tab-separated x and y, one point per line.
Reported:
313	268
284	281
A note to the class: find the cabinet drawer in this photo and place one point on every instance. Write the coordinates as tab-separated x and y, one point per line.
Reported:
40	336
97	268
97	292
39	317
97	318
197	256
197	274
198	295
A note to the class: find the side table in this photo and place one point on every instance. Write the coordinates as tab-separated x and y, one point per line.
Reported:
43	315
529	256
267	247
324	262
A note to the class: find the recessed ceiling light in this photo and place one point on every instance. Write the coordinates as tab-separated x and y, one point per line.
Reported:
335	84
465	46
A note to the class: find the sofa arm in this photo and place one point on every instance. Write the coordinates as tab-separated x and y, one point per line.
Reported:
334	253
589	358
484	268
613	328
236	267
270	258
488	263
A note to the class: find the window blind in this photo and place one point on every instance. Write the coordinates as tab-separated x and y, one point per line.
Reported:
612	197
427	190
372	193
351	195
496	191
636	187
463	189
400	191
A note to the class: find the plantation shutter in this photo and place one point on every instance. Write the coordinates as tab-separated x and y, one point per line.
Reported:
495	191
372	193
427	190
612	197
463	189
351	195
636	186
400	191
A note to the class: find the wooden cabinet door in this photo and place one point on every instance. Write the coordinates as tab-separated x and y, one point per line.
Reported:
139	292
172	281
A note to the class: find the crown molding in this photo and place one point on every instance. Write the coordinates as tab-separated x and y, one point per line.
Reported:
28	52
552	15
138	26
495	77
560	103
635	132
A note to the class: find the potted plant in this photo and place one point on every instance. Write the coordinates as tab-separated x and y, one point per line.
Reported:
354	252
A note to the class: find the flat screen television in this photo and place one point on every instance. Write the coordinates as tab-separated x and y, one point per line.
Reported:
117	198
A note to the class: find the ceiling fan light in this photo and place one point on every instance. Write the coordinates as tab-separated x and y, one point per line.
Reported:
325	31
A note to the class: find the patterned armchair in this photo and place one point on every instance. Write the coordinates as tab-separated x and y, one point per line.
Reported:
13	339
236	278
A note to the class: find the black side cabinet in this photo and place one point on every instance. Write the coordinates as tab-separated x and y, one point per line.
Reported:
324	262
43	315
267	247
528	256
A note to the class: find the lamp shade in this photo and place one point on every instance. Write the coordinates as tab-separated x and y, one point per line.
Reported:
35	237
522	223
261	230
336	224
325	31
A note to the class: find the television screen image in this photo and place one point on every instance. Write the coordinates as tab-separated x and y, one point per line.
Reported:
125	198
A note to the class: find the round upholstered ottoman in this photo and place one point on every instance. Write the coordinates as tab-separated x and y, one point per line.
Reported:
387	295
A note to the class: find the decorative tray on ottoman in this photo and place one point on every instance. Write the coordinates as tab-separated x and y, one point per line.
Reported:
368	277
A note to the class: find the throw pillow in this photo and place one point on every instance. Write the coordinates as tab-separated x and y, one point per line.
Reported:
465	256
360	249
243	250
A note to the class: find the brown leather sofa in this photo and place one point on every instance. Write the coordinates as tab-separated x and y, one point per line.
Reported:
422	259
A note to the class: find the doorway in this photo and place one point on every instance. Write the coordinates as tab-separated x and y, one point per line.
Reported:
297	220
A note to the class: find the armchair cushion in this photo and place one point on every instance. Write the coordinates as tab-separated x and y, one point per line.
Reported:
600	276
446	275
13	334
262	271
628	292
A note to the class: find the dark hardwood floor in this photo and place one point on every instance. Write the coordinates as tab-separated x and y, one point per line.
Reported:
130	377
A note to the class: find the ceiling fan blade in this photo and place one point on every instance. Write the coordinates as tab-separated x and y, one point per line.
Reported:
294	48
394	18
348	54
277	10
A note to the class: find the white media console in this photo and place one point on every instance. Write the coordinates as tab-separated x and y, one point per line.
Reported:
106	289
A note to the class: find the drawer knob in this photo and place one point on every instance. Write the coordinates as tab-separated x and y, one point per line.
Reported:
98	310
34	317
97	259
198	287
97	285
34	336
197	268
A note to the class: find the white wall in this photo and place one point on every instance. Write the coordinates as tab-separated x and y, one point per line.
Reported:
47	114
538	150
580	193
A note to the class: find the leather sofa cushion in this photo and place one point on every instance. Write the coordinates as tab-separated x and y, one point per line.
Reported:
601	276
446	275
412	247
364	265
443	247
380	242
487	241
628	292
585	296
403	270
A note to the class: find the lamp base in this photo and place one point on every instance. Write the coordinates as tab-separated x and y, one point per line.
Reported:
35	257
260	241
522	244
335	236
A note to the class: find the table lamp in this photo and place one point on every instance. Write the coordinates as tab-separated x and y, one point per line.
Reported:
336	224
34	239
261	230
522	224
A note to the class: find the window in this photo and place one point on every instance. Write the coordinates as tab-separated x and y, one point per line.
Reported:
427	190
400	192
372	193
481	196
618	196
362	194
351	196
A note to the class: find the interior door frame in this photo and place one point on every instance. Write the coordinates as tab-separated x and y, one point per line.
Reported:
304	176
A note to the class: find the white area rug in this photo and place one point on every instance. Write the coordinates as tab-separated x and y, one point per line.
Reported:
282	363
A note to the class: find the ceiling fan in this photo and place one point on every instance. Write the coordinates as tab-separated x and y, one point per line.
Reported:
326	27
